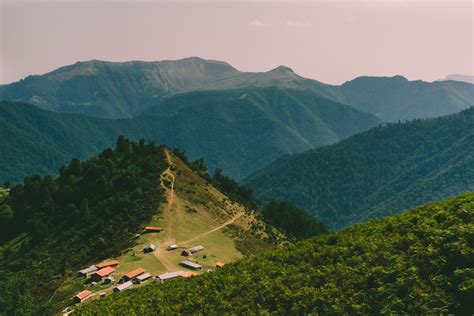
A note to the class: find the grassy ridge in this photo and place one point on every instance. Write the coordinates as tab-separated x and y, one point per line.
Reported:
418	262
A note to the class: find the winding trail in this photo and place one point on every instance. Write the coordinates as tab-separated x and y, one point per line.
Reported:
170	194
214	229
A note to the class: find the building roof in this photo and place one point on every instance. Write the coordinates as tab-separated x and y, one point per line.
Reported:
88	270
187	274
84	294
190	264
196	249
143	276
105	271
134	273
107	264
124	286
153	228
170	275
219	264
173	246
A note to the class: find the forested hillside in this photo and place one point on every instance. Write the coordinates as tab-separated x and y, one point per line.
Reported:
378	172
49	226
419	262
239	130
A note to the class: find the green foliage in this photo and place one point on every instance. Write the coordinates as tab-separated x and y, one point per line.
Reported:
239	130
292	220
234	190
376	173
89	213
416	263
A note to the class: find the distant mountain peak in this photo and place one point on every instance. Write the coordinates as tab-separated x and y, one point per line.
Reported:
459	77
283	69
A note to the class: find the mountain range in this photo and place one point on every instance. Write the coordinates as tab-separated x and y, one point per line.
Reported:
238	130
376	173
127	89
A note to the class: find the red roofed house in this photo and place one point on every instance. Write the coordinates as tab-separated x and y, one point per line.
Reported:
81	297
102	273
153	229
219	264
133	274
110	263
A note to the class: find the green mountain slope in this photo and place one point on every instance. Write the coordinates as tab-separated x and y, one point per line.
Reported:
96	210
123	90
378	172
239	130
90	212
419	262
395	98
120	90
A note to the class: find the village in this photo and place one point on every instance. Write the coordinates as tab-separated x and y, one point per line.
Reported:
105	276
192	234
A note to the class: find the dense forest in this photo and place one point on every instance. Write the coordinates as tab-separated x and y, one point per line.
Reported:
419	262
375	173
238	130
91	211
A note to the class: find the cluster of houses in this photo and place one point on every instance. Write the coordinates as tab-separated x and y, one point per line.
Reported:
102	272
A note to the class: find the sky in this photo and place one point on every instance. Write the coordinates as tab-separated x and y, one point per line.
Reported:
328	40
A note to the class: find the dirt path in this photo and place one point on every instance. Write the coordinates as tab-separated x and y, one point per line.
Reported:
214	229
169	193
168	266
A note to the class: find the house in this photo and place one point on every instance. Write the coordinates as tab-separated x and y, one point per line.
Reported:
219	264
102	295
124	286
102	273
192	250
152	229
172	247
110	263
82	296
141	278
85	272
109	280
190	265
168	276
133	274
149	248
188	274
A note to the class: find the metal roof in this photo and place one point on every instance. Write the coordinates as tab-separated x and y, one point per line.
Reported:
169	275
190	264
124	286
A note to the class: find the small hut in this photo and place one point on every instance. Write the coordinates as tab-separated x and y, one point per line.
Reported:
149	248
82	296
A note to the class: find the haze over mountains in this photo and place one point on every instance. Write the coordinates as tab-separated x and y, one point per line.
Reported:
121	90
376	173
458	77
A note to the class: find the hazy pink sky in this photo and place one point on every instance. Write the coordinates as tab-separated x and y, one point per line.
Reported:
331	41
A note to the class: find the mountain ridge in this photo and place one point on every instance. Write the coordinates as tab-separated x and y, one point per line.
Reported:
378	172
127	89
